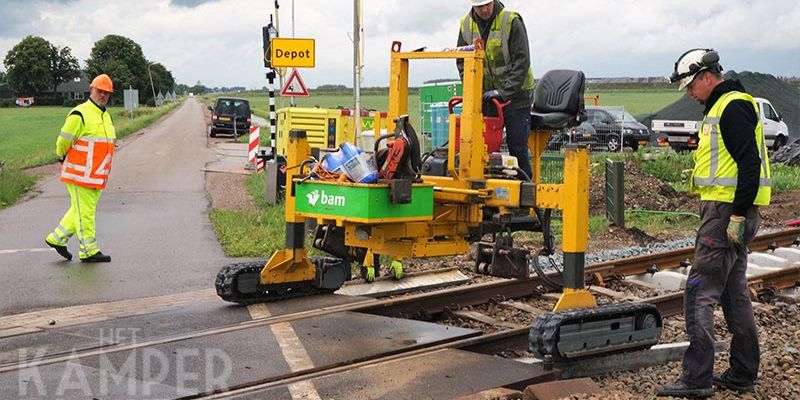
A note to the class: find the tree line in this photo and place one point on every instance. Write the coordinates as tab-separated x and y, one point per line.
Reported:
35	67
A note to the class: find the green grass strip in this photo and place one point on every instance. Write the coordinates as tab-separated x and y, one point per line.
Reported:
13	185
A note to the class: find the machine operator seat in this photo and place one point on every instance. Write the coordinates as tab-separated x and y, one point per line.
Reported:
558	100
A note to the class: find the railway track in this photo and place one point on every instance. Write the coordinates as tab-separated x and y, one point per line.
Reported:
437	303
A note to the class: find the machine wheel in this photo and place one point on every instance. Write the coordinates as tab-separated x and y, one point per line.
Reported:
779	142
613	145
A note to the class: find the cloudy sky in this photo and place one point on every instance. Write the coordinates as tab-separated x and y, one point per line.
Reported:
218	42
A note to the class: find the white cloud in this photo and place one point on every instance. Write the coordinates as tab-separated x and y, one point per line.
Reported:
219	44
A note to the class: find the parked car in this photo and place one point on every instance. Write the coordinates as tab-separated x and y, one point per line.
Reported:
617	128
682	135
225	112
583	133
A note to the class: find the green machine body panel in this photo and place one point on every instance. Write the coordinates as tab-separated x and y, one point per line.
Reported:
361	202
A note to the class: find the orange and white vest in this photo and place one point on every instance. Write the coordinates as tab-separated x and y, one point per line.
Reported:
87	139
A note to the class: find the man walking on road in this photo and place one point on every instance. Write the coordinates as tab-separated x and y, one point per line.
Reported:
85	147
732	177
507	71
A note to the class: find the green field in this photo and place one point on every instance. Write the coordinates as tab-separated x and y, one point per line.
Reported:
259	102
28	135
636	101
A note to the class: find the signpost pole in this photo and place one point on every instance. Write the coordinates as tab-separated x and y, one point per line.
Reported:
357	70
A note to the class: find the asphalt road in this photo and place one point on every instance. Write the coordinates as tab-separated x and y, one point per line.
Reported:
152	219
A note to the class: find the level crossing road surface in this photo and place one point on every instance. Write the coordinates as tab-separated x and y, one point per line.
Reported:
152	219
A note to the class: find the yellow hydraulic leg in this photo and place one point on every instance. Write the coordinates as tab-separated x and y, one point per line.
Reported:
291	264
575	207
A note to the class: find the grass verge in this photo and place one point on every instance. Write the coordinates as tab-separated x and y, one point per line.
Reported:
13	185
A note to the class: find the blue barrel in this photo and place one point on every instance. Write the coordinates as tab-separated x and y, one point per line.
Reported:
440	122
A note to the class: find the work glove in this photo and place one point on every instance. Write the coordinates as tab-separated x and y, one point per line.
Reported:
492	94
370	276
736	230
397	269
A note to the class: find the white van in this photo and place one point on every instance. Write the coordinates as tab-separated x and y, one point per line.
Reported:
776	133
682	135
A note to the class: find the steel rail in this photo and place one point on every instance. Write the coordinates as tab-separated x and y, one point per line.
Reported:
673	258
436	302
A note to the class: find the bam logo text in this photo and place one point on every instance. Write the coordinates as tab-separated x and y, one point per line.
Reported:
326	199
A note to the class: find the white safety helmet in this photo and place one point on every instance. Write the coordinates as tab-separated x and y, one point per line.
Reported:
693	62
476	3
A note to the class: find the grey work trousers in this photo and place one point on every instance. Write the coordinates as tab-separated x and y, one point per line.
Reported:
718	276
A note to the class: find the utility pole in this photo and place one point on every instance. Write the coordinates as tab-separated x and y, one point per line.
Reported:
278	30
150	74
291	99
357	68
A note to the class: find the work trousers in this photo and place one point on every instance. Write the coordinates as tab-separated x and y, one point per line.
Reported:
518	128
79	220
718	276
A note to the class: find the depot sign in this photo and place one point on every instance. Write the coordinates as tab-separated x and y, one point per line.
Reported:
292	52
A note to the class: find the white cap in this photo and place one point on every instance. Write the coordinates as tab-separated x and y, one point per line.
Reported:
476	3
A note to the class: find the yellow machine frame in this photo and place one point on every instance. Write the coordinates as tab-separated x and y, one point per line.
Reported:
458	198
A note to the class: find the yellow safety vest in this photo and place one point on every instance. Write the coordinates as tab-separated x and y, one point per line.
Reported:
715	172
88	144
497	53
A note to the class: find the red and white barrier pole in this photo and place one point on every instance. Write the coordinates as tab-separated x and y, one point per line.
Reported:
255	132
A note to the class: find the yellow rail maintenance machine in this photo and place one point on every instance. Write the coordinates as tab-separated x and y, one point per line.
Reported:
441	203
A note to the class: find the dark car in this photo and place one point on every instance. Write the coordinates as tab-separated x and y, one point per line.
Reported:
583	134
616	128
227	110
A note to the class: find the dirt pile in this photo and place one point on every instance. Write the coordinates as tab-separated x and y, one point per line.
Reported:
789	154
642	192
785	98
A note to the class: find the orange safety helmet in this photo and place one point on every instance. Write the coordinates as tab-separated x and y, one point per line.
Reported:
102	82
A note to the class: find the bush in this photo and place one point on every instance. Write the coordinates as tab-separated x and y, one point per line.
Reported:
68	103
6	103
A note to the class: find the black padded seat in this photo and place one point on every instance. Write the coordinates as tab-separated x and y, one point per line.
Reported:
558	100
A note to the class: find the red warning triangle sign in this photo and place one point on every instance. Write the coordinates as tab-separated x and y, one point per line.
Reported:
294	86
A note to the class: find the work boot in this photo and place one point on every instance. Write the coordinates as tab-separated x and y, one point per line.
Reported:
61	250
724	381
97	258
681	389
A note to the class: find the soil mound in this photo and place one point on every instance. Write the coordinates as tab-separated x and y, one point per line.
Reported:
785	98
642	192
789	154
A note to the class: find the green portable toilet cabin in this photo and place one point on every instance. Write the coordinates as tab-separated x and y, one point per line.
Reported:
437	92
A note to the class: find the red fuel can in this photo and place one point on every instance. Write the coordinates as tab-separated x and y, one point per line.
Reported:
492	126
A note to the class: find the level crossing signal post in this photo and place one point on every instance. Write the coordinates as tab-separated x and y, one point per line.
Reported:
281	53
271	164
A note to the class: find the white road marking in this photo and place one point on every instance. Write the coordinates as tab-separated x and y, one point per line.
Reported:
293	352
36	250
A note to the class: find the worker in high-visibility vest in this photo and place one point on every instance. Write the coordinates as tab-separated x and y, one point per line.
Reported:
85	147
732	176
507	74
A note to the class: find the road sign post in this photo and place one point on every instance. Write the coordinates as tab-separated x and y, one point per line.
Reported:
131	98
